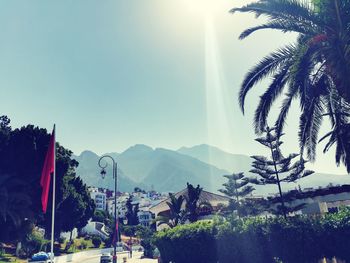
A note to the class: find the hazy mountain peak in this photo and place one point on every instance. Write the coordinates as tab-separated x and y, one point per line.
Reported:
139	148
217	157
88	154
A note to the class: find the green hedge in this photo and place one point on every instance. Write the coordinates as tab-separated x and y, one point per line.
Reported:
258	240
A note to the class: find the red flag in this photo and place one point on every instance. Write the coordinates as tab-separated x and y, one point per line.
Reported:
48	169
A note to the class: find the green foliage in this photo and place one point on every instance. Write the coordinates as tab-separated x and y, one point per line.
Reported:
61	240
131	213
177	215
20	184
258	240
33	243
96	241
193	194
187	243
102	217
237	188
277	169
315	70
146	235
84	245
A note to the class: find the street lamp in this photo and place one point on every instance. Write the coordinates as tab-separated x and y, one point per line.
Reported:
115	175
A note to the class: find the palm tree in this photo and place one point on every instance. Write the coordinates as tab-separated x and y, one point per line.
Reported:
315	69
192	204
176	215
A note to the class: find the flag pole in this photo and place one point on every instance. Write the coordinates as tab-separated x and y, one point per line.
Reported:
53	196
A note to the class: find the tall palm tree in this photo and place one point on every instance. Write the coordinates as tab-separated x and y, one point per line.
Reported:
192	202
311	70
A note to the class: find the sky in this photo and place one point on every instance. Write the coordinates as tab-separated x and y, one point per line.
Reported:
115	73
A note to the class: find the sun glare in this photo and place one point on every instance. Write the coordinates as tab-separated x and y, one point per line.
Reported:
202	8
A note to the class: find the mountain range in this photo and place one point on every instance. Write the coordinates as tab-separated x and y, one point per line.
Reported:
167	170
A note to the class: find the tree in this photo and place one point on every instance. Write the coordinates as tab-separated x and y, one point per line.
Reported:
14	208
236	188
277	169
22	153
312	70
192	199
102	217
177	215
131	213
96	241
146	236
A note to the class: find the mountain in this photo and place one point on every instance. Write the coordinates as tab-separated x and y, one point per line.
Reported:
90	173
161	169
219	158
166	170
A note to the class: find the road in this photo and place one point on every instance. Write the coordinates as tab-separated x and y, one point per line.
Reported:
136	259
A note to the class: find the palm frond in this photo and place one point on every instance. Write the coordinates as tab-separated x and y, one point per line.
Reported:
268	98
267	66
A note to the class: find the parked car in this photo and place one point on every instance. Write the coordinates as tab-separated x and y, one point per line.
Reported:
41	257
106	258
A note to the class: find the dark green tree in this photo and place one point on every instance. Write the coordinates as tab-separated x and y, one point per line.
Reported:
192	202
131	212
14	208
102	217
314	70
237	187
22	153
277	169
76	206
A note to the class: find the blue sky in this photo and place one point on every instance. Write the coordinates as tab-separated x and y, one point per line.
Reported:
112	73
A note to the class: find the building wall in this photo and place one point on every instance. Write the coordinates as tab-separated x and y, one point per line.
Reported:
99	199
145	218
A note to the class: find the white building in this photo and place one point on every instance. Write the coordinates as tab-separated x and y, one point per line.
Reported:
99	199
121	208
145	217
95	228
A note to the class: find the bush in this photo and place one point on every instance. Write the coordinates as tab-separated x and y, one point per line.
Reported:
33	243
84	244
96	241
188	243
257	240
61	240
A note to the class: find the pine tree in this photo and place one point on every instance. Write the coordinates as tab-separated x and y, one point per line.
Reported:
237	188
277	169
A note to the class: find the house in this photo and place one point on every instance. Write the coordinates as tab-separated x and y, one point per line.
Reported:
145	217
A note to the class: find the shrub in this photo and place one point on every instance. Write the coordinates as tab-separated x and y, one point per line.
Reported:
96	241
61	240
33	243
257	240
84	244
187	243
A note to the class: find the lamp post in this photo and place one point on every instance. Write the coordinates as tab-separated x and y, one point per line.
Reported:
115	176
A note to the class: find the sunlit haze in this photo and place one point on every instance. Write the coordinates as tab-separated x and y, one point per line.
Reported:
112	74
